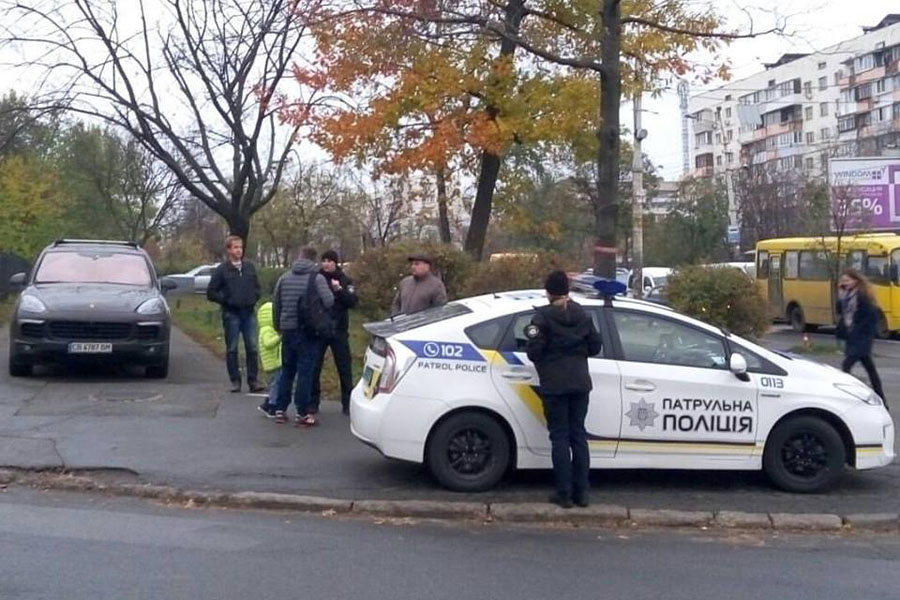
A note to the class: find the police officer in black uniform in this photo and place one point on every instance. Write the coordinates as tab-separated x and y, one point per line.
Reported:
561	337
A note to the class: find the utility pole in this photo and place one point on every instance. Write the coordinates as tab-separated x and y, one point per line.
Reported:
638	197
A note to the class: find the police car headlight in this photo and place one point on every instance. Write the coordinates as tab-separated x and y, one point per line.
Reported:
860	392
154	306
31	304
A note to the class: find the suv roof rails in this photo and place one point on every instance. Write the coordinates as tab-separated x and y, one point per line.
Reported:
101	242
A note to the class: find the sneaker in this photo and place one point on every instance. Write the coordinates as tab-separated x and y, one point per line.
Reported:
267	410
561	501
235	387
307	420
280	417
581	500
346	410
256	388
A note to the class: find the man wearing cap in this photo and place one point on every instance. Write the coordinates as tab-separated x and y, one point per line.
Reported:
420	290
344	299
560	339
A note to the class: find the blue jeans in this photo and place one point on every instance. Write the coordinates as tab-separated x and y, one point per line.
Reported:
298	359
274	377
568	441
237	323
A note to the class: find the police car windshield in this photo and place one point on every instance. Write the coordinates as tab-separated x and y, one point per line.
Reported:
402	323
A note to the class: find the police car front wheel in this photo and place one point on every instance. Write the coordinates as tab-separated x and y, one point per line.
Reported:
468	452
804	454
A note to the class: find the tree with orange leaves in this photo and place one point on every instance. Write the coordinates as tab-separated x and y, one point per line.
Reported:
434	80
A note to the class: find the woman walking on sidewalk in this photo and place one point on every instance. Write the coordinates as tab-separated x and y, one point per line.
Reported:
858	324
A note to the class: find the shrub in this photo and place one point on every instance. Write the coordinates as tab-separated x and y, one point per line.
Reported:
723	297
513	273
268	277
378	271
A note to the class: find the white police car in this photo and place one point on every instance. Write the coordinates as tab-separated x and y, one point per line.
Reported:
452	387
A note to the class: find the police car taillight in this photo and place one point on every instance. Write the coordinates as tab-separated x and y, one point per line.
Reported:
388	371
379	346
394	368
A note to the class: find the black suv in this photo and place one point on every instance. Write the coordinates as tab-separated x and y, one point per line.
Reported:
88	300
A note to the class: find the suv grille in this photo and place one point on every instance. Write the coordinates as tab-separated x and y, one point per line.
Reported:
75	330
32	330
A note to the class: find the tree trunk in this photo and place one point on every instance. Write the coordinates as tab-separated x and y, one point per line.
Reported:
239	225
481	208
606	201
490	161
443	215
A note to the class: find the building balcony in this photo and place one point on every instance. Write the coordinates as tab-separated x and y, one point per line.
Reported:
702	172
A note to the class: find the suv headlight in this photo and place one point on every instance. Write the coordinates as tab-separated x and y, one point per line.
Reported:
31	304
860	392
153	306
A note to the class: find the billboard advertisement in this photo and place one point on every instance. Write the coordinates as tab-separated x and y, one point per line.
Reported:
870	188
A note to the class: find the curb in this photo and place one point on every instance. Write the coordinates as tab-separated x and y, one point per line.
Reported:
598	515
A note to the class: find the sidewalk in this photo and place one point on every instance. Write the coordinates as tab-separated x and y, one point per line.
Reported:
191	433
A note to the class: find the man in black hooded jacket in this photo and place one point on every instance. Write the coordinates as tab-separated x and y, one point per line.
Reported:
561	337
344	299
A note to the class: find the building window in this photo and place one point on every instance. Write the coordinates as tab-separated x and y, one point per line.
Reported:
847	123
809	113
810	137
823	83
810	163
728	113
864	91
825	133
703	138
880	86
798	137
807	87
823	109
838	75
729	135
822	65
729	157
727	97
718	138
719	161
864	63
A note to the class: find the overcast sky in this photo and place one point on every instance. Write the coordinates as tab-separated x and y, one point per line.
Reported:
815	24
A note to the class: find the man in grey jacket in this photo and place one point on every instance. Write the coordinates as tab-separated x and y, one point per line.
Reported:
420	289
299	349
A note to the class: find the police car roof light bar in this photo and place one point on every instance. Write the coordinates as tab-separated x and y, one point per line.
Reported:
609	288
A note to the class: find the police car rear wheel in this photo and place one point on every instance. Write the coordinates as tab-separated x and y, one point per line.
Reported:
804	454
468	452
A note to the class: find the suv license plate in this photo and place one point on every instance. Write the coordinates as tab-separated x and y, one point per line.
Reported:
90	348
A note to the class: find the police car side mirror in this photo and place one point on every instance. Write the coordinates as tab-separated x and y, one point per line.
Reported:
737	364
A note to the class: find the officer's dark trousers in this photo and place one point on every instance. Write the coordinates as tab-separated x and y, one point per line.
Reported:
340	350
565	415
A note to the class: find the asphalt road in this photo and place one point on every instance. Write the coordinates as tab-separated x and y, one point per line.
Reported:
77	547
189	431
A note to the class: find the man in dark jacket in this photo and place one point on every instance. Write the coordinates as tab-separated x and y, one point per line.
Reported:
561	337
344	299
234	286
299	348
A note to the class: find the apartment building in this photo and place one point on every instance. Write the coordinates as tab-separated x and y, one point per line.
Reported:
803	109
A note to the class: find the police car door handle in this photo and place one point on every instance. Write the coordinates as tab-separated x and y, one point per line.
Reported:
517	375
640	386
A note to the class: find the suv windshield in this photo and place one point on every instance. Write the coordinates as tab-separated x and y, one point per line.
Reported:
94	267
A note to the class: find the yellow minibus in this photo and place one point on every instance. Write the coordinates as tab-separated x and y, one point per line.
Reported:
797	276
